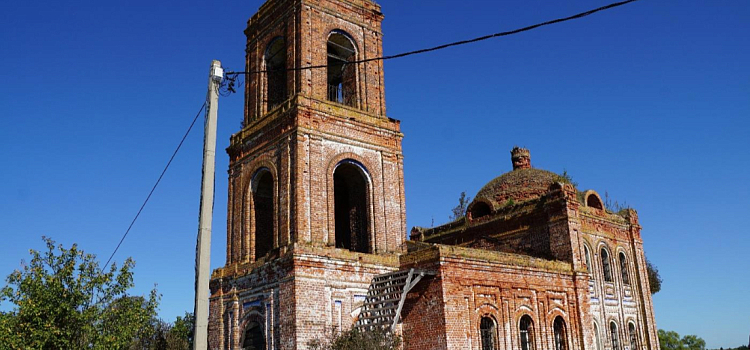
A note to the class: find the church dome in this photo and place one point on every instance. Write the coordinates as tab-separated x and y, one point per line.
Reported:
517	186
521	184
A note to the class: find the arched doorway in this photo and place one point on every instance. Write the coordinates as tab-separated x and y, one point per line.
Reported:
253	339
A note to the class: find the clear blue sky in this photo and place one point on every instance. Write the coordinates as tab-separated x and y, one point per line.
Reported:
648	102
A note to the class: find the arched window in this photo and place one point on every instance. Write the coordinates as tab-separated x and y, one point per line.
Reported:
262	187
275	73
633	336
597	337
342	79
351	214
615	339
624	269
561	339
488	333
593	201
526	328
254	338
480	209
606	267
587	256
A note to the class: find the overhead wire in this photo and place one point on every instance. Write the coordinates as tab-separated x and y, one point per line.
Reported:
155	185
457	43
381	58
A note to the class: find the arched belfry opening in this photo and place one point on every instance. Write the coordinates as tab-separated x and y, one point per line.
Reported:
351	207
253	339
342	77
262	187
275	61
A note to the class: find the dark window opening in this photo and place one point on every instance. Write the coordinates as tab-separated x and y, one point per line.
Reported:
607	269
526	329
350	196
480	209
587	255
263	210
488	332
633	337
615	339
593	201
559	333
276	73
624	269
342	80
254	339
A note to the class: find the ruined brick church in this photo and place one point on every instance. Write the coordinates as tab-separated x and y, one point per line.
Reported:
317	236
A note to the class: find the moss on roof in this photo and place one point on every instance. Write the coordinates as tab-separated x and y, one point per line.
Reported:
517	185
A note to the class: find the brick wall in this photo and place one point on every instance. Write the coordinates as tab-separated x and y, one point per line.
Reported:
531	257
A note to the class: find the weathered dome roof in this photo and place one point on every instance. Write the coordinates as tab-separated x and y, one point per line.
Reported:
517	186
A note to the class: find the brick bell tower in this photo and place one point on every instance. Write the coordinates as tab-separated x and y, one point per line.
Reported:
316	190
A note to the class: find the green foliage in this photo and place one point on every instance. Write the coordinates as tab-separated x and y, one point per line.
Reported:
459	210
354	339
669	340
613	205
654	280
182	331
566	179
63	301
166	336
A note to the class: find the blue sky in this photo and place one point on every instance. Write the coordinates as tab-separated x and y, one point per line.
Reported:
649	102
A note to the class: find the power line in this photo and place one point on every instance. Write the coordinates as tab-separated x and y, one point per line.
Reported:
382	58
155	185
457	43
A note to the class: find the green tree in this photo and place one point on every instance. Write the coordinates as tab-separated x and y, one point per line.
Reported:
459	210
692	342
61	300
654	280
355	339
670	340
180	335
163	335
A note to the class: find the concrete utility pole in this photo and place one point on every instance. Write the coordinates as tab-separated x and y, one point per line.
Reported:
203	246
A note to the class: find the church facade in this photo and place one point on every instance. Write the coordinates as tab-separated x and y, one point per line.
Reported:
317	221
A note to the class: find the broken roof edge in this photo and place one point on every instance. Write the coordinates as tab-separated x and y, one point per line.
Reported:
420	252
422	234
